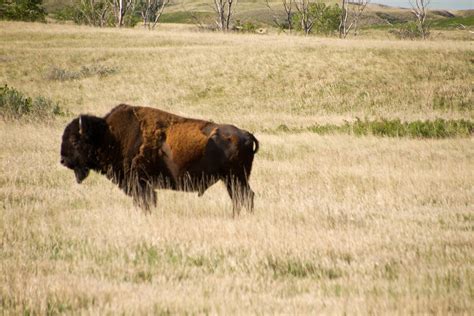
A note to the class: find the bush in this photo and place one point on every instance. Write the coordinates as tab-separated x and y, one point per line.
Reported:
438	128
22	10
392	19
408	30
326	18
97	13
61	74
247	27
15	105
67	13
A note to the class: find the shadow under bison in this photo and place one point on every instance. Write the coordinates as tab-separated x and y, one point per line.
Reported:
141	148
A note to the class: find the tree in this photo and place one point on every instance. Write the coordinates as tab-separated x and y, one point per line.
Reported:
304	16
288	7
22	10
224	12
350	15
151	11
316	17
92	12
121	8
326	18
420	11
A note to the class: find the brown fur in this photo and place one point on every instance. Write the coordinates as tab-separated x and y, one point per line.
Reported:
141	148
187	142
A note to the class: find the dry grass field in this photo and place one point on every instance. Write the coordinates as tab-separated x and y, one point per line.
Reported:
343	224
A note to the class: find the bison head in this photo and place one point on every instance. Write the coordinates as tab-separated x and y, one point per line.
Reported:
81	139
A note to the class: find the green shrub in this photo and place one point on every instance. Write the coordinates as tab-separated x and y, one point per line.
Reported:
247	27
97	13
22	10
438	128
299	268
60	74
283	128
392	19
15	105
409	30
67	13
186	17
326	18
453	22
94	13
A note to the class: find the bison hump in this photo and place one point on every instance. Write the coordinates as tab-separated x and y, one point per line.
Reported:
187	142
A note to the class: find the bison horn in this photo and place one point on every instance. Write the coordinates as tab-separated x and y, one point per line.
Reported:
80	125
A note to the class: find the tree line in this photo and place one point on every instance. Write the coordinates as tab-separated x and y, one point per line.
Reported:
306	16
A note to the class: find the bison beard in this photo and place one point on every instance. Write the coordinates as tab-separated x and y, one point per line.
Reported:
141	149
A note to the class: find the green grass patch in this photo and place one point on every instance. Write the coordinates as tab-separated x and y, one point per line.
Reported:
438	23
438	128
294	267
16	105
186	17
153	256
451	23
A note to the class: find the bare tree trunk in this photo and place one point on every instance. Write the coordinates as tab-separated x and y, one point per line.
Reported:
151	12
94	12
360	8
420	11
120	9
352	14
144	13
229	13
288	6
303	7
342	24
224	12
219	6
103	15
158	13
121	13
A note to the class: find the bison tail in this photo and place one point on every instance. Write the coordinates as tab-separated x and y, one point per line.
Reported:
256	143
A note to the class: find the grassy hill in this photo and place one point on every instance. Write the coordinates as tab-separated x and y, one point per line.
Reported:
257	12
345	222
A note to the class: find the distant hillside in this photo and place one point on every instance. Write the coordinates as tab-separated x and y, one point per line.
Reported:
257	12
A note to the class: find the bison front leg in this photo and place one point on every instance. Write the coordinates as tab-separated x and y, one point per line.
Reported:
142	193
241	194
141	184
145	196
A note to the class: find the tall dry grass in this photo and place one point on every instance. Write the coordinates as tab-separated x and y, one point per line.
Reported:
258	81
342	224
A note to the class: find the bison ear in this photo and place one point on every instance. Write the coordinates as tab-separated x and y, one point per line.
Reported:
92	128
214	132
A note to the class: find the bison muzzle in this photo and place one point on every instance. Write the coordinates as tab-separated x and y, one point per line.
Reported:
141	149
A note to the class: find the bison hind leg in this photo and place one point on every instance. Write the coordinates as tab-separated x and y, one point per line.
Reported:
240	193
205	183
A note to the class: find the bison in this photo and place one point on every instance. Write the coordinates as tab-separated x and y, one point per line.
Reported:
142	148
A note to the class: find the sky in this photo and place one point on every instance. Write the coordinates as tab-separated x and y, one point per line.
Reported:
434	4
